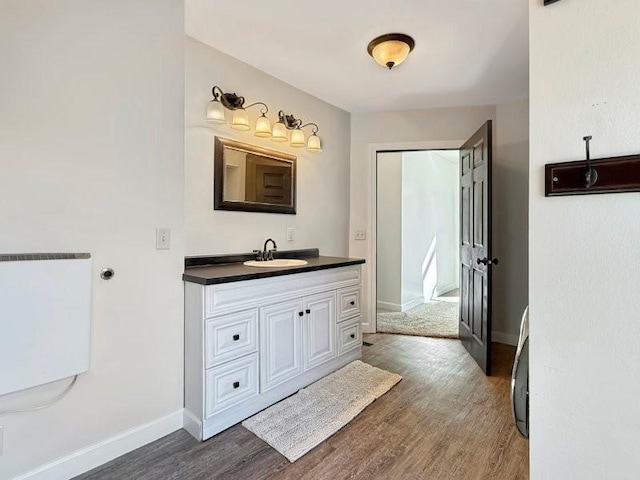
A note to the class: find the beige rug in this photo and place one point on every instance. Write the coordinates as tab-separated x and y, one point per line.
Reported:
298	423
436	318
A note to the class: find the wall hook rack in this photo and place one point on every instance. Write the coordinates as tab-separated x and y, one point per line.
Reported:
584	177
591	175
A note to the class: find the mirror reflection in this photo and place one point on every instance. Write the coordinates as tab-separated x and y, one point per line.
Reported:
249	178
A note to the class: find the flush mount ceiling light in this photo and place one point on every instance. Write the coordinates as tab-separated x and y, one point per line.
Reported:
391	49
240	121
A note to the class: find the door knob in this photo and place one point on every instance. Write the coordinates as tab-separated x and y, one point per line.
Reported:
487	261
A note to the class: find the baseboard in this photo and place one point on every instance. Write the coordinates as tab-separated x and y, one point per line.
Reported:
192	424
506	338
393	307
446	289
95	455
413	303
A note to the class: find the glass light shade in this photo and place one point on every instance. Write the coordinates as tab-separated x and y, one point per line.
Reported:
297	138
279	133
215	112
313	144
263	127
390	53
240	119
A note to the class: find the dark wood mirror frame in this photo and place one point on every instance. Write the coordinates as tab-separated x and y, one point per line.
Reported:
220	145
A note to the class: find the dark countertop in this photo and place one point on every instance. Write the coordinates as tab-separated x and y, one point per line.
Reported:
236	272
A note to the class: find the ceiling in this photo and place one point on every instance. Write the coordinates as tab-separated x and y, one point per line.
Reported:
468	52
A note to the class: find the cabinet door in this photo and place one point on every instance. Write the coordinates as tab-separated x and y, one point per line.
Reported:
280	343
319	329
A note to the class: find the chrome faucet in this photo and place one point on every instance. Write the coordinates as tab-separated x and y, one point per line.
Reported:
265	254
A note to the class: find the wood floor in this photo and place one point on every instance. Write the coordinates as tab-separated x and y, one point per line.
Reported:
444	420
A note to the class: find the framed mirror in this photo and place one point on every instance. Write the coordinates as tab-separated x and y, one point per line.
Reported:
253	179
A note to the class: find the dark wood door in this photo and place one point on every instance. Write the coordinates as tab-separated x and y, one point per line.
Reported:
267	181
475	247
273	184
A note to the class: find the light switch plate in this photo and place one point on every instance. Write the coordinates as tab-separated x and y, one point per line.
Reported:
290	234
163	238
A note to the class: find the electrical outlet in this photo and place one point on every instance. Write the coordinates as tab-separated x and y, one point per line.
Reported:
290	234
163	238
360	235
1	438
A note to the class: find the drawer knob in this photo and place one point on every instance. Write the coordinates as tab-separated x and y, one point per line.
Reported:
236	337
308	311
236	384
353	335
300	314
352	302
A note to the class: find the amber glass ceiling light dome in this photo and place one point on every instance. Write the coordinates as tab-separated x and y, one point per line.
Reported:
391	49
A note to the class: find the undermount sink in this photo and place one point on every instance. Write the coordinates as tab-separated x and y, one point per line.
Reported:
279	262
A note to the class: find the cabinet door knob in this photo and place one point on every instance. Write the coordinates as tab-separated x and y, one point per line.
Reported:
308	311
300	314
352	302
236	337
353	335
236	384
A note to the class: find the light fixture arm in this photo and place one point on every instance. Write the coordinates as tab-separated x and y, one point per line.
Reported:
263	111
313	126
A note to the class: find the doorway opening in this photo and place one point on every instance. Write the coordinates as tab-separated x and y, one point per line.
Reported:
418	238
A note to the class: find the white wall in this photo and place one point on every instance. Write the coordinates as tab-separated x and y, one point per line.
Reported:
417	206
584	288
430	214
419	226
389	234
427	129
91	147
322	218
510	219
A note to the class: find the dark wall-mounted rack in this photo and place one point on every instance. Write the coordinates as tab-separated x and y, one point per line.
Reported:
615	175
584	177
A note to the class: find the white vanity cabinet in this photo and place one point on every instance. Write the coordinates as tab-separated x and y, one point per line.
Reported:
251	343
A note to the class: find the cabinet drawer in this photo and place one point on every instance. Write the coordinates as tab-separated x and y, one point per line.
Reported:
231	336
349	302
230	383
349	335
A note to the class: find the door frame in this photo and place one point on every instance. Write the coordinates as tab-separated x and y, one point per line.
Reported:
369	275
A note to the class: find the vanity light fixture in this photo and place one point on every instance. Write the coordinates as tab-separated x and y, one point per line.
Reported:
240	121
298	140
391	49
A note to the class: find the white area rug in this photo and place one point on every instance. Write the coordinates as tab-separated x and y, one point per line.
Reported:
437	318
298	423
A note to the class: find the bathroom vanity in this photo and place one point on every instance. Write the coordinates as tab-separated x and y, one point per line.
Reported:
254	336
